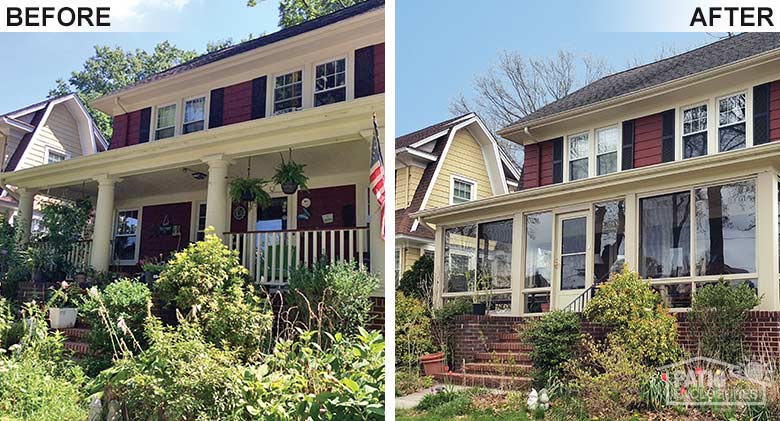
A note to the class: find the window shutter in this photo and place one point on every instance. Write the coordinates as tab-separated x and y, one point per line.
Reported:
667	136
215	108
627	159
364	72
119	134
557	162
761	100
146	121
258	97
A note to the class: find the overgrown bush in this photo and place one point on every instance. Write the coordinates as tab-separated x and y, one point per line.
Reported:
452	309
194	275
636	318
442	323
6	320
63	224
11	260
125	300
412	331
418	280
410	381
555	339
718	312
335	296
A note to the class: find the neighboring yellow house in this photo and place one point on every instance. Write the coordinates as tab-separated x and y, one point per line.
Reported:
451	162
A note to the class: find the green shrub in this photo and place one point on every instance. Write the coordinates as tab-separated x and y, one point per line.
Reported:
459	406
125	300
434	400
6	320
718	312
412	331
199	272
418	280
636	319
336	296
410	381
452	309
555	339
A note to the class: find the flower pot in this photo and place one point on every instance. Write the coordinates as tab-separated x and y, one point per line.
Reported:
478	309
433	363
80	278
289	187
247	196
62	318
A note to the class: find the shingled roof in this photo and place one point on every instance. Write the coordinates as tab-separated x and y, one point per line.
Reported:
704	58
308	26
416	136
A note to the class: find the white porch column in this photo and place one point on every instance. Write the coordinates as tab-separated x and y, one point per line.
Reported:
104	221
217	195
26	201
438	268
766	240
518	266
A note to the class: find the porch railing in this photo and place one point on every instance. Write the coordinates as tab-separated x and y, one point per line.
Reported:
270	255
578	304
77	256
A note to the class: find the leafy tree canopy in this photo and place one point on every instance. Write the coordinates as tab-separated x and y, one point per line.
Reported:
293	12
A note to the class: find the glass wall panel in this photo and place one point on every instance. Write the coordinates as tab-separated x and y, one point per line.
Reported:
495	254
538	250
460	258
665	236
609	244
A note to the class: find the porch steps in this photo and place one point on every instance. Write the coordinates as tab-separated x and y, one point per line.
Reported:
494	368
75	340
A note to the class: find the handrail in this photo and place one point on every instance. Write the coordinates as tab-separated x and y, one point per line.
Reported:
295	230
578	304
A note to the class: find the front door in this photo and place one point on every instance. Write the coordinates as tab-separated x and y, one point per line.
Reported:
572	271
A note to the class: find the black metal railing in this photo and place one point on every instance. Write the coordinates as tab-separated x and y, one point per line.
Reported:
578	304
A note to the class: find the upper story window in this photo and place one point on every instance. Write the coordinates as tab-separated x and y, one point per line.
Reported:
694	134
330	82
166	122
194	115
606	150
462	190
578	156
53	156
288	92
731	123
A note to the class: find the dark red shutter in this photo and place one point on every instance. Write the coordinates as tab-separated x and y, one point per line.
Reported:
379	68
134	128
667	136
531	170
146	120
215	108
627	158
119	136
364	72
258	97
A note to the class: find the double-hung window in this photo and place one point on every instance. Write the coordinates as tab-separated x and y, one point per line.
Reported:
53	156
194	115
330	82
731	122
606	150
166	122
694	135
126	236
578	156
288	92
462	190
200	232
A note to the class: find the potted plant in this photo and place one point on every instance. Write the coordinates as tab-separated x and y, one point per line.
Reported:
62	306
433	363
250	190
40	261
481	302
152	267
290	175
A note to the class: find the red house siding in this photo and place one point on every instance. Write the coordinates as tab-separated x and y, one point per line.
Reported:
774	111
235	224
119	136
237	103
379	68
133	127
647	141
339	201
153	243
546	163
531	166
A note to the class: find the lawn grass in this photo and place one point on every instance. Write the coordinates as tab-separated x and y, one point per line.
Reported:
476	415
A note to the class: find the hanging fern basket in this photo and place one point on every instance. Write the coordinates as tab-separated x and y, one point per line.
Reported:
247	196
290	187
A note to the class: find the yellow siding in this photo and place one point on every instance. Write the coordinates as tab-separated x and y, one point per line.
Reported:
60	133
464	159
411	256
406	181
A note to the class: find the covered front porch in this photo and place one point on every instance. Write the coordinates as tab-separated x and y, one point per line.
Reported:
155	198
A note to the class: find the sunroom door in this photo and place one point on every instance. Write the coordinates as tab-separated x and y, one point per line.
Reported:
572	273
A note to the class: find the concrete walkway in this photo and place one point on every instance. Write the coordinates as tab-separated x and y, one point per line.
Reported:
411	401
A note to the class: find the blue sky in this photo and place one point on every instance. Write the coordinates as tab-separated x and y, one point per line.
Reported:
439	50
33	62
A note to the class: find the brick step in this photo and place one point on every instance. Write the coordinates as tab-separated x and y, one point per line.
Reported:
503	357
509	337
75	334
508	346
485	380
498	368
78	348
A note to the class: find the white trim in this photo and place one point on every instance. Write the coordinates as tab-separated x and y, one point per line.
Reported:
419	154
49	107
428	139
18	124
718	126
464	180
137	237
47	149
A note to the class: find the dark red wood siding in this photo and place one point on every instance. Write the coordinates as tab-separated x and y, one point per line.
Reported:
546	163
531	166
647	141
235	224
153	243
119	136
339	201
774	111
379	68
133	127
237	103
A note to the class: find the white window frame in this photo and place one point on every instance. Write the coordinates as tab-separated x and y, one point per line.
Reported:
48	150
618	149
567	156
398	257
748	139
137	237
314	90
155	118
706	130
183	113
303	90
465	180
198	204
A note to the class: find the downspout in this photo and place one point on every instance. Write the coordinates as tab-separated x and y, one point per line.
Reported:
119	104
527	132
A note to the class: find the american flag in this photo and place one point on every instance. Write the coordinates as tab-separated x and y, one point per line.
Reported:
377	177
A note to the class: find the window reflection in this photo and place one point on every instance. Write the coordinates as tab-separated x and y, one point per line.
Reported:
609	243
495	254
460	252
538	250
664	236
